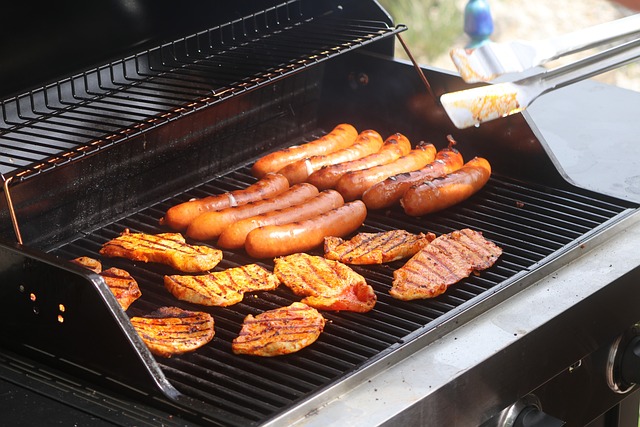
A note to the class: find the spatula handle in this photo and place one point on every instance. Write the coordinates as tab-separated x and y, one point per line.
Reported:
587	38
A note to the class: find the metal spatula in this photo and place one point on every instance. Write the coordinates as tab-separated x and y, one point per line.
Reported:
491	60
471	107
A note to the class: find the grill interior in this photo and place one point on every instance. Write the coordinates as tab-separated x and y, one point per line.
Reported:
530	222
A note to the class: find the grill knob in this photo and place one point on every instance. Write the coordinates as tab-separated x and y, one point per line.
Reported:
526	412
532	416
630	365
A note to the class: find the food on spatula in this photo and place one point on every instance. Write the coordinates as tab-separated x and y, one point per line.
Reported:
325	284
170	331
165	248
122	285
280	331
445	261
375	248
221	288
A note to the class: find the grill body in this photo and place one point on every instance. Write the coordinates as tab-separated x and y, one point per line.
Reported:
114	146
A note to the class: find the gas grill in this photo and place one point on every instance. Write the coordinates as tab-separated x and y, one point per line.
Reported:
181	107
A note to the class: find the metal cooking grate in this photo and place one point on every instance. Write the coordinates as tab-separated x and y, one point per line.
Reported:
528	221
79	115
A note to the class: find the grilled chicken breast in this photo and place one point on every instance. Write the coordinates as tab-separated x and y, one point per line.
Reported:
281	331
166	248
375	248
221	288
88	262
122	285
326	284
169	331
445	261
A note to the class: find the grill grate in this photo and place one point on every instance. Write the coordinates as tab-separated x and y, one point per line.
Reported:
528	221
77	116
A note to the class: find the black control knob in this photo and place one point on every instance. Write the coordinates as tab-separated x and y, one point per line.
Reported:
532	416
630	363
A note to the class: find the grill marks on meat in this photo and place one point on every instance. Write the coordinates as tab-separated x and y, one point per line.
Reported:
325	284
280	331
122	285
170	331
221	288
447	260
165	248
375	248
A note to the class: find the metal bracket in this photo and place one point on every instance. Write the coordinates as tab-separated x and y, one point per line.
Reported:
12	212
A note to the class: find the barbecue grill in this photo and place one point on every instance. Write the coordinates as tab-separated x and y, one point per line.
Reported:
181	104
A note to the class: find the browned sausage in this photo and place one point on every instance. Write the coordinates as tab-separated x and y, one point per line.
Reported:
340	137
441	193
275	240
236	234
394	147
209	225
353	184
366	143
388	192
180	216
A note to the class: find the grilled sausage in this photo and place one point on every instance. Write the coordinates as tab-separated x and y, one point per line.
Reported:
366	143
236	234
388	192
275	240
210	225
340	137
394	147
441	193
353	184
180	216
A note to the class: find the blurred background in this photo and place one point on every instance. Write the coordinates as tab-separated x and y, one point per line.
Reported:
435	26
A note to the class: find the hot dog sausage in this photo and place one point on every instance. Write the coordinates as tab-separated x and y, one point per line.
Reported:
235	235
366	143
394	147
180	216
275	240
441	193
388	192
340	137
353	184
209	225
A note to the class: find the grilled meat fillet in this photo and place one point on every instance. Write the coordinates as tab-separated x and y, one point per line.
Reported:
281	331
88	262
375	248
445	261
221	288
326	284
122	285
169	331
165	248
